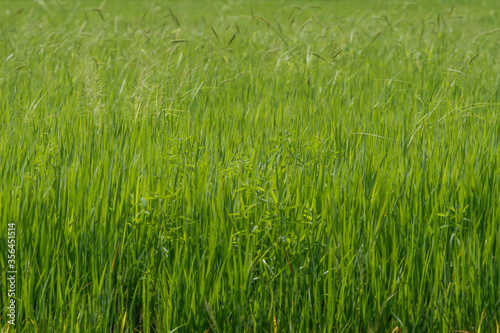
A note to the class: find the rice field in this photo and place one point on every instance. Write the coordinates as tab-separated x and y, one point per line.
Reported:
250	166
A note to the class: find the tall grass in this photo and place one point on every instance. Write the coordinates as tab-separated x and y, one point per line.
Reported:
251	166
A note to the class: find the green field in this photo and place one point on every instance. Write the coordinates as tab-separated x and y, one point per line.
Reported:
250	166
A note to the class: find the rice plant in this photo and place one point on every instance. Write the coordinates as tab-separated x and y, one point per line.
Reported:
250	166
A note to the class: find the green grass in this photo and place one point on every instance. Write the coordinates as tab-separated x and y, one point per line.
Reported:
251	166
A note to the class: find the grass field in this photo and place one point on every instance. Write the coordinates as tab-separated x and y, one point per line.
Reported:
251	166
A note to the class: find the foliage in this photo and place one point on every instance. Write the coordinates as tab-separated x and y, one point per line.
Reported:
251	166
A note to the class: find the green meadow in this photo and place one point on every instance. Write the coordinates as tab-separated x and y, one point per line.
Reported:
251	166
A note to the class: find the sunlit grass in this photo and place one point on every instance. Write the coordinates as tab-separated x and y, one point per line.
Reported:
251	166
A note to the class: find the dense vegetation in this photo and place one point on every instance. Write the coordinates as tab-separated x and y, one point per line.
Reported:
251	166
